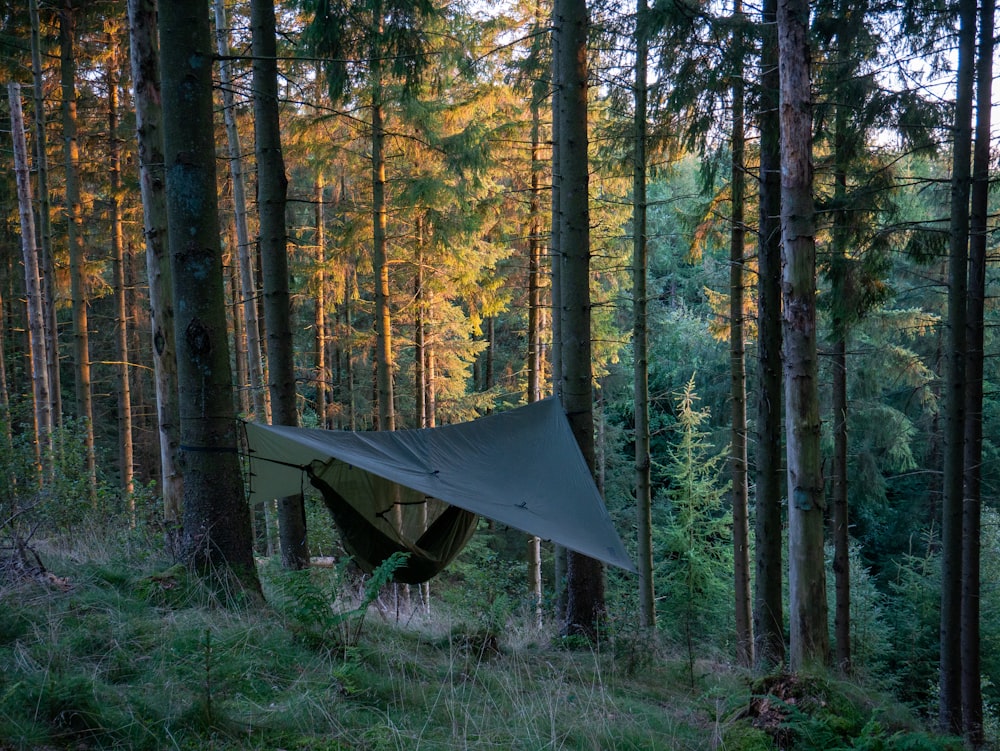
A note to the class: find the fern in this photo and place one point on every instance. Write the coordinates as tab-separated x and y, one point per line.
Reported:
316	611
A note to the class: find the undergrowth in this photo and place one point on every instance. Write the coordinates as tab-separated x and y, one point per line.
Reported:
136	654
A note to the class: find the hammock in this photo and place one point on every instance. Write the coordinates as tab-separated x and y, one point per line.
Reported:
371	543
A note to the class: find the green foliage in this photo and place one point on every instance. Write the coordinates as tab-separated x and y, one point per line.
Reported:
693	548
871	633
823	732
915	588
313	601
989	605
141	657
491	584
323	537
62	505
813	713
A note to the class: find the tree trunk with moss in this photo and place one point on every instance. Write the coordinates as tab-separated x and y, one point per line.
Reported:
217	533
806	565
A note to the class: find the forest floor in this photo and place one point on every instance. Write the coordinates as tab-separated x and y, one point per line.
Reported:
121	650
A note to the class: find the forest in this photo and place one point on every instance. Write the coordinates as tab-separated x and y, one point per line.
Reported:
748	246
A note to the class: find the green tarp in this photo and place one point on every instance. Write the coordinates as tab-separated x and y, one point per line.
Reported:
522	468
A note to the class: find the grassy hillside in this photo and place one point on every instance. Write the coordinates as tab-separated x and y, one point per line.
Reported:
117	649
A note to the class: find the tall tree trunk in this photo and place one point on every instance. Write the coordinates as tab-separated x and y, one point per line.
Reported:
322	370
535	365
950	691
33	286
256	367
77	253
972	696
149	127
769	648
244	250
556	262
124	391
350	284
806	565
420	385
489	377
737	369
272	189
217	532
6	427
838	357
841	516
419	332
136	311
640	332
380	261
244	404
46	268
585	576
430	366
383	318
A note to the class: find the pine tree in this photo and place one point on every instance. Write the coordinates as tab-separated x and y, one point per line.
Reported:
737	353
126	460
272	188
44	216
144	57
806	570
769	648
696	556
971	674
77	252
585	576
43	425
640	335
950	696
217	534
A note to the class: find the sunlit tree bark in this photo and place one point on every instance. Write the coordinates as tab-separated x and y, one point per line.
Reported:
272	188
123	387
244	250
77	252
320	322
144	58
33	285
46	266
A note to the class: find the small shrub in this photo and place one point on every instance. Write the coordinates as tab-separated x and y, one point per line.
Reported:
312	600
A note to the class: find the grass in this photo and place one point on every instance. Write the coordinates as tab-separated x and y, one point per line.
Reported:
138	655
